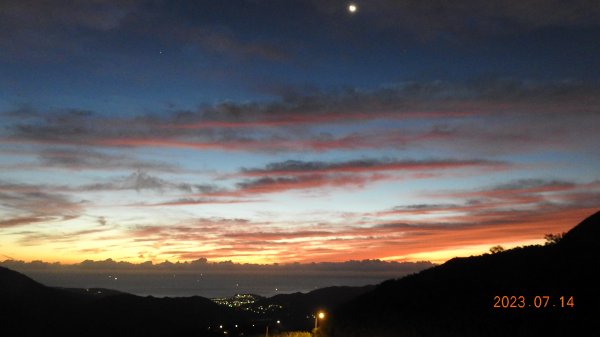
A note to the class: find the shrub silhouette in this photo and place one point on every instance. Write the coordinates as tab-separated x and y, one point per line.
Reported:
553	238
496	249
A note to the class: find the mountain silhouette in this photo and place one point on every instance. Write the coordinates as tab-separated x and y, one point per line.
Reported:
31	309
14	284
583	237
458	297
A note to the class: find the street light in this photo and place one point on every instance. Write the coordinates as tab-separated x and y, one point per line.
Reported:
318	316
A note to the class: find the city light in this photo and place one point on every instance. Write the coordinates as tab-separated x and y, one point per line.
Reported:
320	315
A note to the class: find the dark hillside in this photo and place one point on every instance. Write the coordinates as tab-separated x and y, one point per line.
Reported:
31	309
298	308
457	298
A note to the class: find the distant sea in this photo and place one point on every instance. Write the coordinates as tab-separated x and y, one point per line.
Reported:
203	284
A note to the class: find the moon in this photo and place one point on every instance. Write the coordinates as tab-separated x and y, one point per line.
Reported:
352	8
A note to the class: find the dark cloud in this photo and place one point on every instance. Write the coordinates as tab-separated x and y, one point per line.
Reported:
423	206
57	200
302	175
298	175
461	115
434	99
136	181
516	202
200	201
36	204
67	237
291	167
36	200
141	180
266	185
523	187
21	221
88	159
535	184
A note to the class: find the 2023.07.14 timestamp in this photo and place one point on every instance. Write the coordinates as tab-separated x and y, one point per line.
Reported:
537	302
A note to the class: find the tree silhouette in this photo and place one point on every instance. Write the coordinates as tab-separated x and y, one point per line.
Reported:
552	239
496	249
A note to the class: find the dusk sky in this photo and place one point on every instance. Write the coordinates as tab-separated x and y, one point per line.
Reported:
294	131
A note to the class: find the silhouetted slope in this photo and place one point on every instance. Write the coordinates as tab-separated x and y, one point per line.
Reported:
129	315
13	283
93	292
584	236
31	309
457	298
299	307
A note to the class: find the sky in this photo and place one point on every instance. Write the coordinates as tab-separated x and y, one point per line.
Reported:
294	131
